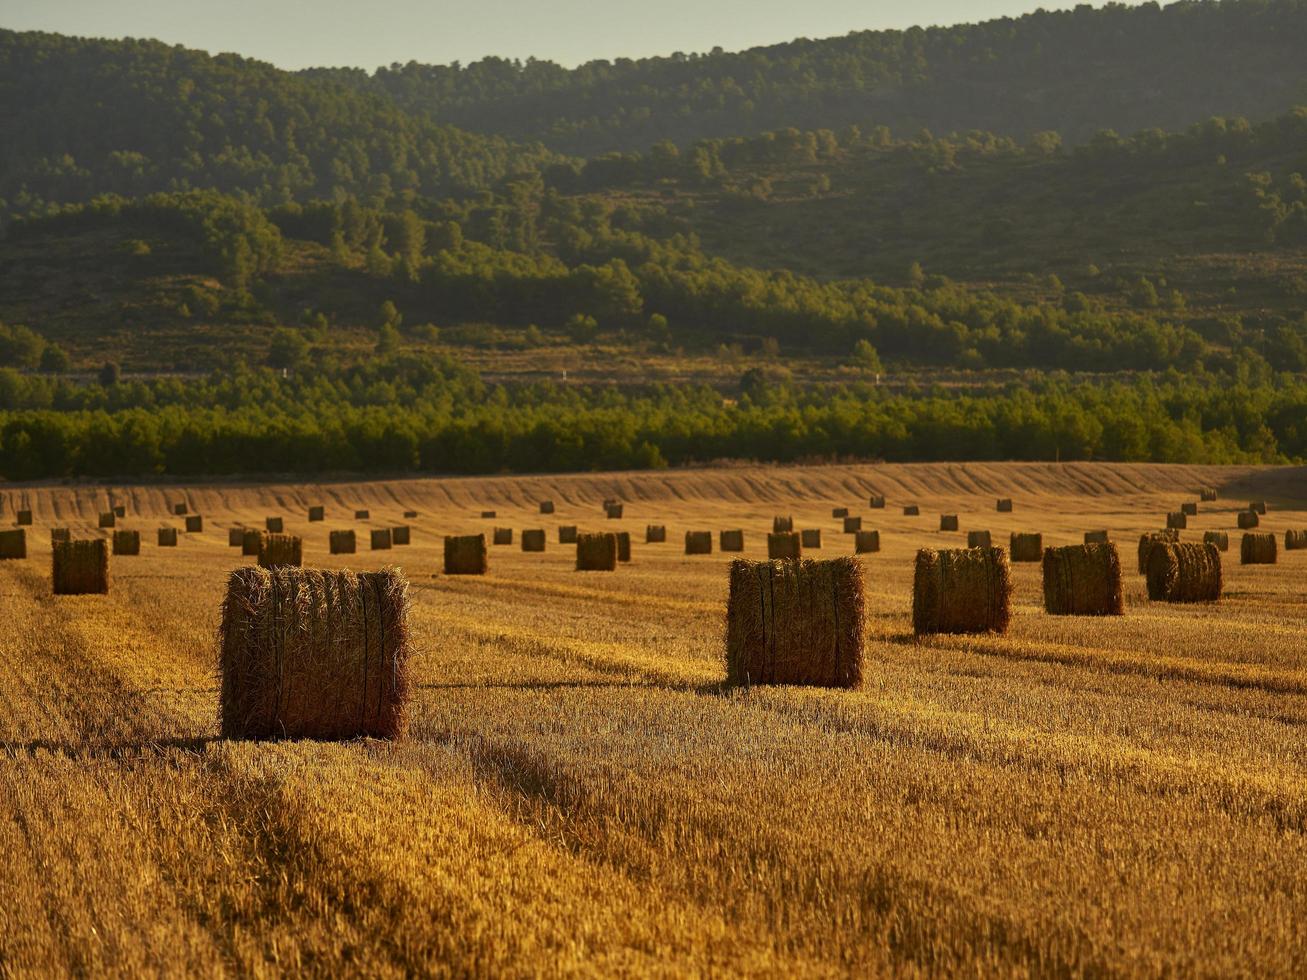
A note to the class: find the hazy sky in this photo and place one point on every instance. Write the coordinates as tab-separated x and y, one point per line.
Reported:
367	33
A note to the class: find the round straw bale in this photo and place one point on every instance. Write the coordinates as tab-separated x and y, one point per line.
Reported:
235	537
276	550
1248	519
1219	538
1004	505
731	540
979	539
948	522
1258	548
698	542
180	510
1026	547
126	542
60	534
839	512
546	507
381	540
307	653
597	552
609	502
466	554
108	519
503	535
250	539
194	524
911	510
1189	509
1184	572
852	525
866	542
1207	495
1096	537
785	545
876	502
342	542
485	514
1295	540
410	515
782	525
23	518
13	544
80	567
401	534
795	622
119	510
167	537
274	525
567	534
533	539
961	590
1257	507
366	515
317	514
623	546
1177	520
810	537
614	512
1150	538
1083	580
655	534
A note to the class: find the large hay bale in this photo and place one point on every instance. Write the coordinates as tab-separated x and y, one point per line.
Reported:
108	519
305	653
961	590
381	540
1004	505
235	537
1150	538
546	507
795	622
911	510
317	514
1258	548
465	554
1257	507
401	535
194	524
23	518
732	540
784	546
1189	509
503	535
1295	540
250	539
119	510
1026	547
533	539
60	534
852	525
782	525
1096	537
839	512
410	515
13	544
597	552
614	511
609	502
126	542
698	542
342	542
1248	519
979	539
876	501
1219	538
655	534
1083	580
274	525
366	515
623	546
1184	572
866	542
180	510
81	567
567	534
276	550
167	537
1177	520
1207	494
948	522
811	537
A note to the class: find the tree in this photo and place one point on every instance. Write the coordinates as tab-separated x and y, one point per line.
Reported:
287	349
54	359
582	328
387	339
866	357
109	374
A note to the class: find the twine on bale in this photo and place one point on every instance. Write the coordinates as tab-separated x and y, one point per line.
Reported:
276	550
342	542
1083	580
1026	547
1258	548
1184	572
533	539
786	545
80	567
795	622
655	534
1219	538
466	554
866	542
13	544
961	590
305	653
731	540
698	542
597	552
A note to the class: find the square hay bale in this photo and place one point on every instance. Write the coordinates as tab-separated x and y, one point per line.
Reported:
381	540
466	554
410	515
235	537
1248	519
1083	580
866	542
1150	538
317	514
81	567
979	539
655	534
609	502
250	539
961	590
1189	509
180	510
1207	495
732	540
23	518
1257	507
546	506
362	515
948	522
784	546
274	525
305	653
503	535
811	538
400	535
614	512
1004	505
1184	572
596	552
623	546
342	542
108	519
533	539
126	542
839	513
194	524
567	534
795	622
1295	540
13	544
1258	548
852	525
60	534
1026	547
1177	520
1096	537
119	510
1219	538
911	510
486	515
876	502
167	537
782	525
698	542
277	550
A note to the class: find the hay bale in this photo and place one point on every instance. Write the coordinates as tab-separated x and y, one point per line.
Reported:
546	507
305	653
1189	509
866	542
795	622
167	537
1207	495
948	522
1026	547
126	542
317	514
366	515
274	525
1177	520
1150	538
180	510
567	534
1004	505
655	534
979	539
13	544
119	510
1258	549
961	590
811	537
503	535
698	542
731	540
1248	519
1295	540
60	534
609	502
1257	507
276	550
533	539
108	519
1083	580
381	540
466	554
235	537
1219	538
81	567
597	552
876	502
1184	572
614	511
250	539
410	515
194	524
401	535
852	525
839	512
342	542
623	546
1096	537
911	510
782	525
23	518
784	546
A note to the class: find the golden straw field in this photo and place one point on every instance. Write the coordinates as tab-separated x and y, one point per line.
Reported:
579	794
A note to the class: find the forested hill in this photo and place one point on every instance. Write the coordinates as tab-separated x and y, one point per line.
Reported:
87	117
1074	72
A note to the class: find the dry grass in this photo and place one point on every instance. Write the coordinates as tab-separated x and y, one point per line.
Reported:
577	795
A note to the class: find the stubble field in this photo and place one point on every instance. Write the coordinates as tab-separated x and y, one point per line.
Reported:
580	795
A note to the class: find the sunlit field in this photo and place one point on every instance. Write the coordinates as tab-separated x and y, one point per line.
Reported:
579	792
